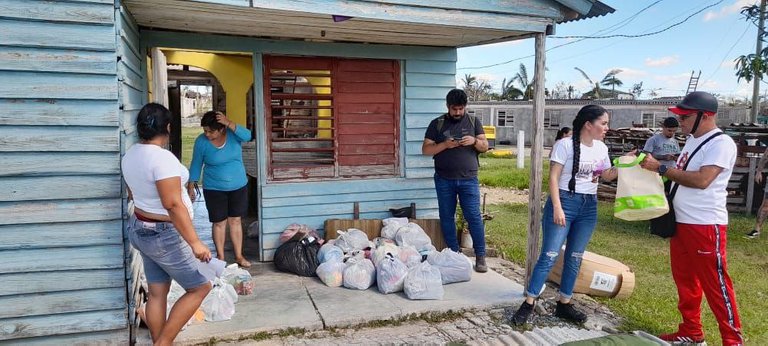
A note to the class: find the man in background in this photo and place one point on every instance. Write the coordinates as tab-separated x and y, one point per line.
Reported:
664	146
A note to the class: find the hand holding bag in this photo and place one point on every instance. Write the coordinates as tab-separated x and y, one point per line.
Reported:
639	192
665	226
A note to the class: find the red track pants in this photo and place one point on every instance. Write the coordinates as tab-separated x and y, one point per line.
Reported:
699	266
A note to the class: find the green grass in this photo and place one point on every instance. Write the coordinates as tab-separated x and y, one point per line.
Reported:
653	304
188	135
503	172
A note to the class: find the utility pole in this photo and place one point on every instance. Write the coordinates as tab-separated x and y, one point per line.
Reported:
758	50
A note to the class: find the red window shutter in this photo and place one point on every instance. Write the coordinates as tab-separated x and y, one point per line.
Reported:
367	102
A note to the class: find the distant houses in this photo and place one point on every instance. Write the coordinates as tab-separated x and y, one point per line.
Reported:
510	117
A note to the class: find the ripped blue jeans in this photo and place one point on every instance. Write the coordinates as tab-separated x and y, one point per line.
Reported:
580	221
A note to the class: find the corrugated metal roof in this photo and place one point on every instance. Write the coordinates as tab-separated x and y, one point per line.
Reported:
598	9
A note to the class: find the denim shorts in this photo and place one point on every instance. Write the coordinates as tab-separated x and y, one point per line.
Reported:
166	255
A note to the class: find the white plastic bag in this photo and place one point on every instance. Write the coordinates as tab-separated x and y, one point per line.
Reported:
330	252
423	282
427	249
239	278
381	241
453	266
413	235
219	304
381	253
175	292
639	192
331	273
351	240
391	225
359	274
410	256
390	274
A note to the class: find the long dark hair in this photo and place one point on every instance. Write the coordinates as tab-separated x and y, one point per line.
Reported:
588	113
561	133
152	121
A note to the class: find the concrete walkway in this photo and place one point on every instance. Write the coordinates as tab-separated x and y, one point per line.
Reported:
282	301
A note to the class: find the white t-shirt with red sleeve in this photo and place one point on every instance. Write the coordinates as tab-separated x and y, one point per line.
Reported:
592	161
706	206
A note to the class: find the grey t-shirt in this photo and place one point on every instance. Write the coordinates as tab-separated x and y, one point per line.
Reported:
459	162
659	145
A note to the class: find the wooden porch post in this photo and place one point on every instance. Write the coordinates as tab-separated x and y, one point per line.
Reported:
537	147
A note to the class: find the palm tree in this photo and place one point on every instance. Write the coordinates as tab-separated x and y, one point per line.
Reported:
470	86
469	81
596	89
611	80
508	90
525	84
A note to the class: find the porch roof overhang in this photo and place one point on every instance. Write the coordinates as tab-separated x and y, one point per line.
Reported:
402	22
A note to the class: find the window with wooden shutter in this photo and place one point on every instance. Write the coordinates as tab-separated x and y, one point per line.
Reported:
332	118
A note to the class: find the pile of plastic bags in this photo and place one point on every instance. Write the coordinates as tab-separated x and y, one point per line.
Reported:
395	262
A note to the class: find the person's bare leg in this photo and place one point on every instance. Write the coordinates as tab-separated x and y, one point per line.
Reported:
219	237
157	303
236	235
761	215
181	312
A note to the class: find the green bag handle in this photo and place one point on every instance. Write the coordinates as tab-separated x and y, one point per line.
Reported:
631	164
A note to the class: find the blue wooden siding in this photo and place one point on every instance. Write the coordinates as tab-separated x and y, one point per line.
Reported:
132	96
60	189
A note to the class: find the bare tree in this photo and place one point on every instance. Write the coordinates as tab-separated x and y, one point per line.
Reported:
637	90
560	91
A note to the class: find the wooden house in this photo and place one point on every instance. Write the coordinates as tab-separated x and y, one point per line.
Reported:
74	74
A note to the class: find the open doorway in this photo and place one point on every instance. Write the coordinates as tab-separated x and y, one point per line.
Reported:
192	92
191	83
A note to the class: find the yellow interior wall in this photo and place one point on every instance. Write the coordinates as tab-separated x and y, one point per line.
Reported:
150	75
235	74
322	112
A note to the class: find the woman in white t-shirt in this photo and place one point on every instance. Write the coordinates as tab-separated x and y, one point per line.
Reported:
161	227
570	212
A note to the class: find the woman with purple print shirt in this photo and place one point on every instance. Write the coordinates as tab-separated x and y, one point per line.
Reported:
570	212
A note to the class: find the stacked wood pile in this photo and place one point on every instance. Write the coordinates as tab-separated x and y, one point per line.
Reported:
622	140
751	140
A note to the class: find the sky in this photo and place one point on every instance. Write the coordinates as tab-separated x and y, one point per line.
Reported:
708	42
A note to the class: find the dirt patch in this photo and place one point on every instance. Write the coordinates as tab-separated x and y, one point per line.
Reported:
500	195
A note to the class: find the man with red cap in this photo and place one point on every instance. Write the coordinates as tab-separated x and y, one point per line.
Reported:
698	248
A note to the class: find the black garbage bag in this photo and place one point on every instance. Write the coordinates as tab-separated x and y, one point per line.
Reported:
298	257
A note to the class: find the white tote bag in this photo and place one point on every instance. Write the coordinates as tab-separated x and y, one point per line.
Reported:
640	192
